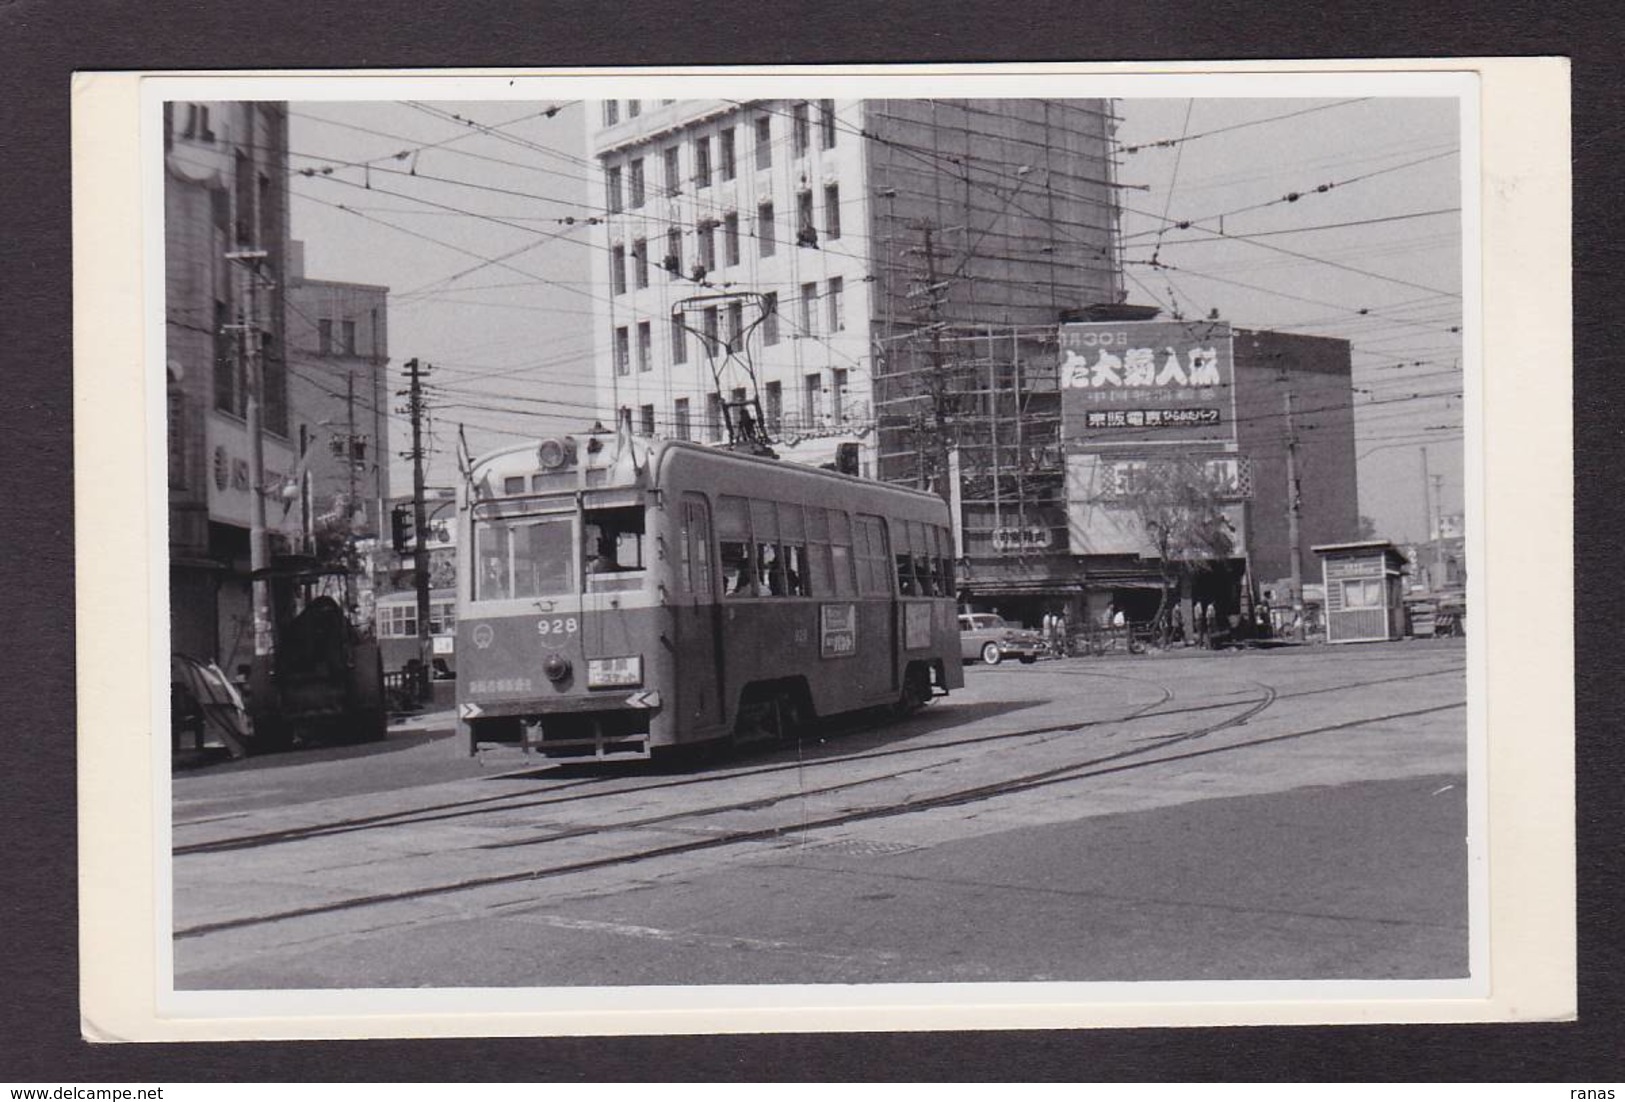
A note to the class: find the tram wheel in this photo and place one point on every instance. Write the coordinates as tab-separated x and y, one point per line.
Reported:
916	690
991	654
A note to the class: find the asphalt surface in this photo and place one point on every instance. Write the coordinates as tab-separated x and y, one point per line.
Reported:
1319	838
1344	882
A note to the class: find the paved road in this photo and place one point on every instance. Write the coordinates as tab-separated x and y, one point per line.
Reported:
1269	815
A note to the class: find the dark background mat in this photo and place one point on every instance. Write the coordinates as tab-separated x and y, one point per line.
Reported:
43	41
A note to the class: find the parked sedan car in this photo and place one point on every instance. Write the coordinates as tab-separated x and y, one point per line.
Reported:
986	636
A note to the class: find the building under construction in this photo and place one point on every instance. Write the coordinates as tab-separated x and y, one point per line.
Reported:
1044	434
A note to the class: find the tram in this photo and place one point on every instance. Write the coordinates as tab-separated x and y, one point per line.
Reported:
620	596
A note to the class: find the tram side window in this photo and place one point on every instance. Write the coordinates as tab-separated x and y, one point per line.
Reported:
906	584
734	552
696	546
874	572
840	551
769	559
921	541
793	550
612	540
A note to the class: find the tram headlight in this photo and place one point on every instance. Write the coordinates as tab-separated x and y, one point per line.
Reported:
608	673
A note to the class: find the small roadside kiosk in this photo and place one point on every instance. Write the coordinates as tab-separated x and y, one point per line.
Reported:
1364	591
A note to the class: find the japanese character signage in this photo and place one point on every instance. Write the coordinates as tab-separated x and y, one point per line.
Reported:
1147	382
837	630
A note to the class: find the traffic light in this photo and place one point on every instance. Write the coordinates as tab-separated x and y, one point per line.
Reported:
401	527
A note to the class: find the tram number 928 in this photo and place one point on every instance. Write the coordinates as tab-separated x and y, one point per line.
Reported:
558	625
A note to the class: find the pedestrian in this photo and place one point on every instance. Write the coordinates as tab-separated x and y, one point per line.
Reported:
1200	613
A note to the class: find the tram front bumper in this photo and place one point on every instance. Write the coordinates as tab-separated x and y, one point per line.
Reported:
603	726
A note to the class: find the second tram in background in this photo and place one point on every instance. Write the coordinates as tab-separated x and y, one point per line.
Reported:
623	596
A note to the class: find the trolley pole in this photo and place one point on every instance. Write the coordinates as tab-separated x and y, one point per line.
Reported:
420	520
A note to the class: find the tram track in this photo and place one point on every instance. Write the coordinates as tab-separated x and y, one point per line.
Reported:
1142	757
455	810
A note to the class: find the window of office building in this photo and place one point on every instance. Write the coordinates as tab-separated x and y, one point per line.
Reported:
804	216
800	128
708	326
713	418
612	112
770	318
725	146
809	307
736	324
623	351
324	336
612	189
347	329
674	251
730	239
682	429
702	161
617	269
837	395
635	182
832	211
640	261
634	108
645	347
646	418
837	304
705	237
812	399
775	405
765	236
674	179
679	340
764	142
826	123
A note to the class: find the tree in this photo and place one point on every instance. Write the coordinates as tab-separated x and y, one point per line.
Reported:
1180	501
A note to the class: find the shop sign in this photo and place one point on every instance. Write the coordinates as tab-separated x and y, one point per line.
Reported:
1147	382
1033	537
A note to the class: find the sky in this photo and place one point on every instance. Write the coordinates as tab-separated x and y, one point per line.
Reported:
474	215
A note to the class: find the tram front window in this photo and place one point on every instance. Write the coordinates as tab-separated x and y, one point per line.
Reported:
523	557
612	540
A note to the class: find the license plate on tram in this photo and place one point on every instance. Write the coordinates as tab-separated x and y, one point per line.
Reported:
605	673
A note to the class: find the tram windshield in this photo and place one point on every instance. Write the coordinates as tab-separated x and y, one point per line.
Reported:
524	557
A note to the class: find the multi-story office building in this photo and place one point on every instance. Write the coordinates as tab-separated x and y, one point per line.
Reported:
795	251
338	345
226	232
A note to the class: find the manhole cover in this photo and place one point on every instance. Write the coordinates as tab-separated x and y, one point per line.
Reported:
863	847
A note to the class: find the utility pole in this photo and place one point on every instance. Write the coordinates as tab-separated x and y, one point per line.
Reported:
259	545
420	520
1294	497
1436	531
349	501
1427	516
938	384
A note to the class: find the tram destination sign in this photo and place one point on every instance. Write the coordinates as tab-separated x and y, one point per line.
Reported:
1147	382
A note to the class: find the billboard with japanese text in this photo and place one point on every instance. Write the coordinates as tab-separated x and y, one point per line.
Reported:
1146	382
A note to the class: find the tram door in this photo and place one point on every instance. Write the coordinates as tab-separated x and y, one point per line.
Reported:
698	684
